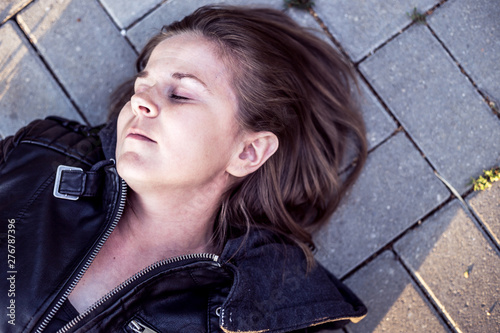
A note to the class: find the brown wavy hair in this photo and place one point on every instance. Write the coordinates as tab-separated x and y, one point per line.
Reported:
295	85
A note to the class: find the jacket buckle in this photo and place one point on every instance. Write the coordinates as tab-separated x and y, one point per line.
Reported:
56	192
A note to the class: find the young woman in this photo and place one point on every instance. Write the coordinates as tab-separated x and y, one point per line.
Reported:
227	157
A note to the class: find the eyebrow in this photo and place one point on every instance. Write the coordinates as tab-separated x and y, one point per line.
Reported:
178	76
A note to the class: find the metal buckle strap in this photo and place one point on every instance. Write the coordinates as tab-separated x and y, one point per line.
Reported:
72	182
57	184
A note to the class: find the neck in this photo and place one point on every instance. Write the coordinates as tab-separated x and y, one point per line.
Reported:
169	224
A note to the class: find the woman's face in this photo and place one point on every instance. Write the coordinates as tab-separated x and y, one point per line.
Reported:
179	128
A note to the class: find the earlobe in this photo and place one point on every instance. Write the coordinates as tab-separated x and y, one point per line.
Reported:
258	148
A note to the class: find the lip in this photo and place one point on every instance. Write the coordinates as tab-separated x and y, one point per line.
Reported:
137	134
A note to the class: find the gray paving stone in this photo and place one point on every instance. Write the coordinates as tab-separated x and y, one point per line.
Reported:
27	90
395	190
394	303
486	205
436	104
379	125
440	252
305	19
83	48
470	29
167	13
362	26
126	12
8	8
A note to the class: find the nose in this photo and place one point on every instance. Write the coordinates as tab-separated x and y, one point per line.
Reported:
143	104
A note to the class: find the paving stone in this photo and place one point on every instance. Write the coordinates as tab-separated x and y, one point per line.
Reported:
394	303
396	189
306	20
8	8
126	12
83	48
470	29
458	266
486	205
363	26
379	125
27	90
436	104
167	13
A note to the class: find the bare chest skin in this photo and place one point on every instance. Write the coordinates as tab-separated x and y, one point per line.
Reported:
120	258
114	264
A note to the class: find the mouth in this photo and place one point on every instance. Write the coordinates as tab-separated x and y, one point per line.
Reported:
138	135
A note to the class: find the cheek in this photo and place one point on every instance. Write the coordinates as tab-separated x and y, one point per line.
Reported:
204	145
123	118
220	144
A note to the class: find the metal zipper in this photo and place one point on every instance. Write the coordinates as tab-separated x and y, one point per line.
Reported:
121	207
132	279
139	327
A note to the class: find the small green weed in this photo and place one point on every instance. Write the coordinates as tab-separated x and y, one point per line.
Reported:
484	181
301	4
417	16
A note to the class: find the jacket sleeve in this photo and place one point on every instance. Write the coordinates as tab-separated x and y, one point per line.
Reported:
57	133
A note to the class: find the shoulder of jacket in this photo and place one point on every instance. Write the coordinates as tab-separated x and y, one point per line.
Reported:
65	136
55	128
272	279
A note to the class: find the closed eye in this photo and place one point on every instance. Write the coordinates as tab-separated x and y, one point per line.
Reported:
178	97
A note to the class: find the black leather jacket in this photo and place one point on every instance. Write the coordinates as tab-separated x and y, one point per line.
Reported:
260	285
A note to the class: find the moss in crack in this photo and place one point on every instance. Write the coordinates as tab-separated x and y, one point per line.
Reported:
417	16
485	181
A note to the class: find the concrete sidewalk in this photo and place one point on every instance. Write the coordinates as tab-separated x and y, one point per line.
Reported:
421	258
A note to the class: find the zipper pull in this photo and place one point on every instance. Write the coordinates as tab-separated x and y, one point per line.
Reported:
138	327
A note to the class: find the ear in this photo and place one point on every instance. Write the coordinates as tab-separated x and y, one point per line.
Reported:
254	151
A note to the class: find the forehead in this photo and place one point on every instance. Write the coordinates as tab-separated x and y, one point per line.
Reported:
189	53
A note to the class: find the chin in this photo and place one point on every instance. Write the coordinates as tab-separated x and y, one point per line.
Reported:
129	169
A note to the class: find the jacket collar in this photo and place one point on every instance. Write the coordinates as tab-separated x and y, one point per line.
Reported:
273	291
108	139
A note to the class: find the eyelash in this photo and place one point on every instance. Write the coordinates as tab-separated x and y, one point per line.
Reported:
177	97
